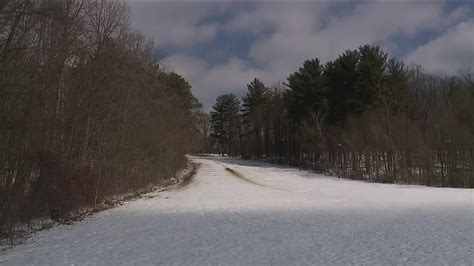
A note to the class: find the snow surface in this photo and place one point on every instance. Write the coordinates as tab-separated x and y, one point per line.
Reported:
263	214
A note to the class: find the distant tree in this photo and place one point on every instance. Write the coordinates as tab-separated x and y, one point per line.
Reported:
392	93
394	89
306	94
363	115
276	124
306	102
182	89
371	74
342	79
204	129
252	112
225	121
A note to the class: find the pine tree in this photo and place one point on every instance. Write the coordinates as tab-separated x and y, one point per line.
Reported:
371	73
253	110
341	80
225	121
306	94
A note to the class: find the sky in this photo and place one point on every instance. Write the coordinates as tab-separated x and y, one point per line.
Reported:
220	46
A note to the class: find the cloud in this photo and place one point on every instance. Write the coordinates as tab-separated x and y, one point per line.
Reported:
175	24
280	16
450	53
277	37
366	23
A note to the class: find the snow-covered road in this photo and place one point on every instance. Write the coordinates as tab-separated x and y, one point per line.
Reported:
261	214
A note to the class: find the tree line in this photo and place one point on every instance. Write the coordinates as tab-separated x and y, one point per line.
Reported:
86	110
363	115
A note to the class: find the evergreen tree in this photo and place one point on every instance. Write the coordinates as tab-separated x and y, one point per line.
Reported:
181	88
225	121
253	110
341	80
307	91
356	116
354	82
371	73
395	86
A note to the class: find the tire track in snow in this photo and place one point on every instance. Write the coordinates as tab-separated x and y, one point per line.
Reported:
241	176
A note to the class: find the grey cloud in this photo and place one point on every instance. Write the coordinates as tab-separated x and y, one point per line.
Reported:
175	24
450	53
285	34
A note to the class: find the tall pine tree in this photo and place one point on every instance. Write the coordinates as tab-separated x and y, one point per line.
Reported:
253	110
225	122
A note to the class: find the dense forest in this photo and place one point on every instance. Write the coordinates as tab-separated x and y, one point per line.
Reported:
363	115
86	111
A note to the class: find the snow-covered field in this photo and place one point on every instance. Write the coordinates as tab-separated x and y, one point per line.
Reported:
262	214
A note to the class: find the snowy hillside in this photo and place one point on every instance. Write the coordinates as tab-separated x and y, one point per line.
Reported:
239	212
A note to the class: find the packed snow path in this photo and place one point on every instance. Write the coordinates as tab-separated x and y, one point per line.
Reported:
253	214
